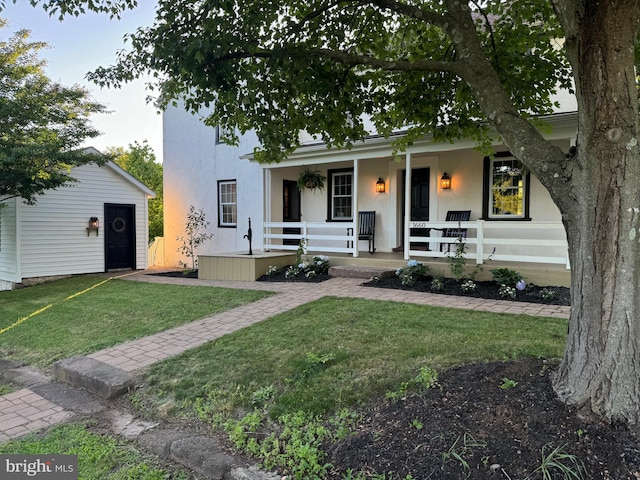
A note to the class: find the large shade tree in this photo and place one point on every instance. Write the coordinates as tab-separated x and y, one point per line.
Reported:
42	123
448	68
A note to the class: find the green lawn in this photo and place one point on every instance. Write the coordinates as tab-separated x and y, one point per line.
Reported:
108	314
335	353
99	457
285	387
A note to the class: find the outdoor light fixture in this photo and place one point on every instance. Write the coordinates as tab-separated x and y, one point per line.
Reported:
380	185
94	224
445	181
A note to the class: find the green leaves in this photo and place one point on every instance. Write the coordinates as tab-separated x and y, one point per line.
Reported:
42	123
283	67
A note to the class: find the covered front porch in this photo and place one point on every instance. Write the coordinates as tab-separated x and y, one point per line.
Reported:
377	202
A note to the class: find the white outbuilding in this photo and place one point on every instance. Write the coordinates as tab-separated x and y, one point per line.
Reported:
97	224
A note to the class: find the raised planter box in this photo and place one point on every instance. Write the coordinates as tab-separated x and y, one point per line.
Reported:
240	266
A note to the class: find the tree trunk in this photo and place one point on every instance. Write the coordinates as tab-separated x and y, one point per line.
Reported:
601	364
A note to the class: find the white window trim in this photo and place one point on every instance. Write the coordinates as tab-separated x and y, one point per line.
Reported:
221	204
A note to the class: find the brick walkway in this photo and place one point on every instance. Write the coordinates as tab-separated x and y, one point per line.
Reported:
24	411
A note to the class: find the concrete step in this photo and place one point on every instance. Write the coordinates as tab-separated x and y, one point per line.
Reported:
94	376
356	271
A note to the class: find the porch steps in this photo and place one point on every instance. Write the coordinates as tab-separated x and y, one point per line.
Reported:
361	271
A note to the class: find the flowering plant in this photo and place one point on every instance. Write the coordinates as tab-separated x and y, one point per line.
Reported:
437	284
468	286
413	272
506	291
318	265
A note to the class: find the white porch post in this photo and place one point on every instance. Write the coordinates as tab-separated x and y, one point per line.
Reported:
407	205
266	182
355	209
480	243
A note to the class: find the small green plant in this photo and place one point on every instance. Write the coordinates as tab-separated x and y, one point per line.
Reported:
459	449
457	261
426	379
547	294
413	272
506	276
507	383
437	284
417	424
468	286
261	397
273	270
195	235
300	251
296	448
556	463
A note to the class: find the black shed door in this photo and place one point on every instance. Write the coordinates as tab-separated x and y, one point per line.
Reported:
120	236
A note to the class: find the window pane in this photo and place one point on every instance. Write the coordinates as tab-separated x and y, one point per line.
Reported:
341	196
507	188
227	207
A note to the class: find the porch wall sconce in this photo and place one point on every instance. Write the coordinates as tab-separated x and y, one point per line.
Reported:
380	185
445	181
94	224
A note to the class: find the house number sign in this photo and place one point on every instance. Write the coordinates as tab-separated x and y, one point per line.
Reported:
418	224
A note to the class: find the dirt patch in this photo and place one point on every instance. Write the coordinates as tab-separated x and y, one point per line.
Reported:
471	428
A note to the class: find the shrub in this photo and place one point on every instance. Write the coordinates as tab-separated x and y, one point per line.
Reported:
437	284
506	276
413	272
468	286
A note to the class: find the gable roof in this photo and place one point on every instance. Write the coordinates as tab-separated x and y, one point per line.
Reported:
122	173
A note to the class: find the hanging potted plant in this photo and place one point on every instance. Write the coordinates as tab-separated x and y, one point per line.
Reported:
311	179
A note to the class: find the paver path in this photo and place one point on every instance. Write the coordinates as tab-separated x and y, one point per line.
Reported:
24	411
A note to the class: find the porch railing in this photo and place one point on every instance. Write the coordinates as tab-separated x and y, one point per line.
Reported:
321	237
534	242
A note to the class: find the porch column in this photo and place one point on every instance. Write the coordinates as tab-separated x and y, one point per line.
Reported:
266	214
355	209
407	206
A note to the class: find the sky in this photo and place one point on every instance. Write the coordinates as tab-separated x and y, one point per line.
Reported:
79	45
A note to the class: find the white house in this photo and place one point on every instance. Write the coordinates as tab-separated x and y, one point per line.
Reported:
96	224
511	217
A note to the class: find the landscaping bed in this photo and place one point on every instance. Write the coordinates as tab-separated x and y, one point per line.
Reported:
486	289
473	427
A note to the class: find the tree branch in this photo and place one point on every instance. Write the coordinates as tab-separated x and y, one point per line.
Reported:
350	59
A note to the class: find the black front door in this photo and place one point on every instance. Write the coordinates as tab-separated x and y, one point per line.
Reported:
120	235
290	209
419	204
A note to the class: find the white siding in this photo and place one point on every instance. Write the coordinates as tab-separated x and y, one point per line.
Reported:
8	245
54	238
193	163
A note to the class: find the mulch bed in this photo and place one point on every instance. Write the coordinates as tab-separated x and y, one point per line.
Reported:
470	428
486	289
